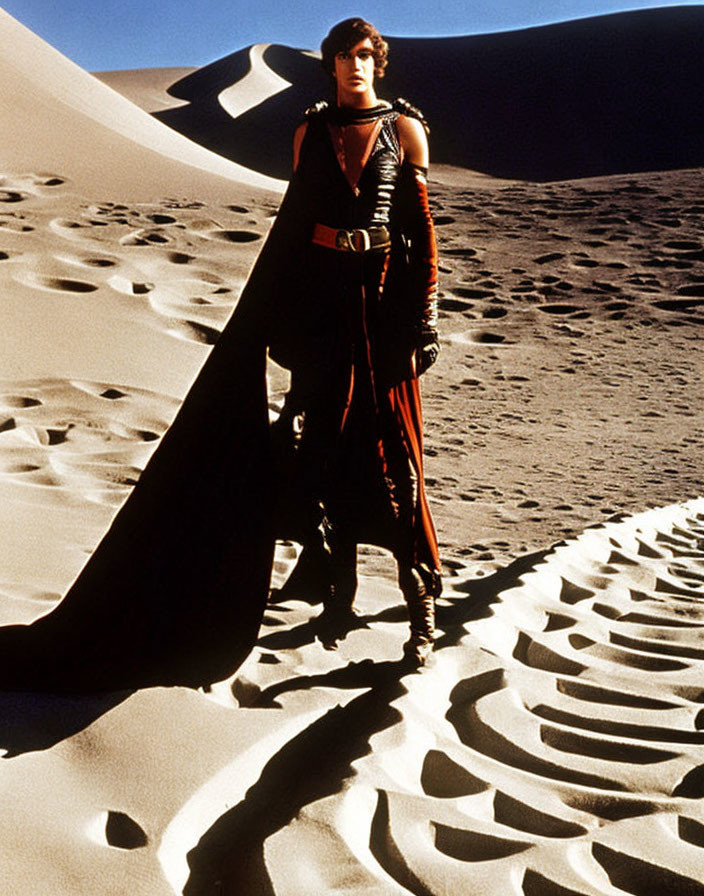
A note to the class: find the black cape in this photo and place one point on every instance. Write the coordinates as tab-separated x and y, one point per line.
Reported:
175	591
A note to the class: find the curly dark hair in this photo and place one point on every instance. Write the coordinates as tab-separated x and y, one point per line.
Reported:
345	35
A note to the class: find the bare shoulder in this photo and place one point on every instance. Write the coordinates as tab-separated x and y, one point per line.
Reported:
414	141
298	136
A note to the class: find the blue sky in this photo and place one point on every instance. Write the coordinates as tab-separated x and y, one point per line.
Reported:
149	33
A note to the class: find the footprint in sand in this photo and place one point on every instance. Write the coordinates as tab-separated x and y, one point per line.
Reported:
15	226
155	236
51	180
560	309
29	184
235	236
473	293
180	257
450	304
548	258
19	401
87	261
162	219
193	331
63	226
89	439
133	240
487	337
117	830
56	284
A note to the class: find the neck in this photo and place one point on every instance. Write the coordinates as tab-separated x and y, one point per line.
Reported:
365	100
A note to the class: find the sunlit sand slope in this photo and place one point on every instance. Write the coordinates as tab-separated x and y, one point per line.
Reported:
62	119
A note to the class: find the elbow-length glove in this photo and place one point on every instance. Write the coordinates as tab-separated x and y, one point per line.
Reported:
422	261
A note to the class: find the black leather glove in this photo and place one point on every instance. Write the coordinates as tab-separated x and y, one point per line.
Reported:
427	350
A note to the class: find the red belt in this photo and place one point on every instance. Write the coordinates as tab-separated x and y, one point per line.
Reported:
373	238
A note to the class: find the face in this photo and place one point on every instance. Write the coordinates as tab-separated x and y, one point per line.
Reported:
354	69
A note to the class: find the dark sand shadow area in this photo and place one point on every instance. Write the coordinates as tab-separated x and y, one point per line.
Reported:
260	137
35	721
597	96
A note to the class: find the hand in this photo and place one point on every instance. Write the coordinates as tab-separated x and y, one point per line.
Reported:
427	354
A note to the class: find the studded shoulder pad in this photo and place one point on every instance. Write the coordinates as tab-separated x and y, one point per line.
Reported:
316	109
405	108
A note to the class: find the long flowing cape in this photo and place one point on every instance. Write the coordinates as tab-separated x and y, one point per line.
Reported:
175	591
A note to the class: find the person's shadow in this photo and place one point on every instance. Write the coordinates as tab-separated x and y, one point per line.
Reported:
315	762
37	721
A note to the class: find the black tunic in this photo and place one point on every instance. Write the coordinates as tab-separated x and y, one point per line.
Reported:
347	328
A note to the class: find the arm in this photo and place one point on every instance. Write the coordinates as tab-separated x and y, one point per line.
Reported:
414	142
418	227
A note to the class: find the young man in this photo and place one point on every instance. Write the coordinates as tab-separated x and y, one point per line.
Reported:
355	324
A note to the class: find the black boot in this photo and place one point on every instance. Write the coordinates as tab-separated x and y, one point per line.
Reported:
338	617
418	650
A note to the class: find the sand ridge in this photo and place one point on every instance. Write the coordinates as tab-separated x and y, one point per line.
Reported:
64	109
556	735
146	88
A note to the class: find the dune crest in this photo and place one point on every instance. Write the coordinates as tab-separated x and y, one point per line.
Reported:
258	85
71	122
594	96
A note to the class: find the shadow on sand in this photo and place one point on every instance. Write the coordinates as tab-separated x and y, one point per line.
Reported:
229	857
612	94
33	721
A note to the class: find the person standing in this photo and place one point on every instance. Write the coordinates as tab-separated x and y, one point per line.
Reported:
355	322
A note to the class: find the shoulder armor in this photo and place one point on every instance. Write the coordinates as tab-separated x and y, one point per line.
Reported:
316	109
403	107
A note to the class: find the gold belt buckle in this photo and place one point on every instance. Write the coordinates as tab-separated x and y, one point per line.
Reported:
353	240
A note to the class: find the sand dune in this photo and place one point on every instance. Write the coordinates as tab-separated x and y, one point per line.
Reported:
146	88
64	111
556	746
257	86
605	95
216	105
